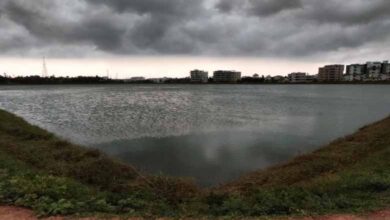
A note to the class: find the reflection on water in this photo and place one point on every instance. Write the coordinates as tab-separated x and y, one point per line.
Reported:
209	158
210	132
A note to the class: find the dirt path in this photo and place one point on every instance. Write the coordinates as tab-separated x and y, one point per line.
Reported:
14	213
380	215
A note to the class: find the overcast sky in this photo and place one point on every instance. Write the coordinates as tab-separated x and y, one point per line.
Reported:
169	37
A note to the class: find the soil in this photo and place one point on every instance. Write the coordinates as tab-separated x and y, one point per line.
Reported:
16	213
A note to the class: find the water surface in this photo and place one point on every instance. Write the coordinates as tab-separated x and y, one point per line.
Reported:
210	132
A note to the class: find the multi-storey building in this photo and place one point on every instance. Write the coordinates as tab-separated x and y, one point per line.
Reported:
331	73
373	70
385	75
222	76
199	76
298	77
385	67
355	72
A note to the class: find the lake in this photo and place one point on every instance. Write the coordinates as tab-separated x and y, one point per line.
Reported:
213	133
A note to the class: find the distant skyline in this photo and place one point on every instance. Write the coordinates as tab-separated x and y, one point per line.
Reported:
156	38
151	67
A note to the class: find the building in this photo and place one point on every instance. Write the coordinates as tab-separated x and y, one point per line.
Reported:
331	73
385	67
370	71
385	75
373	70
222	76
297	77
199	76
355	72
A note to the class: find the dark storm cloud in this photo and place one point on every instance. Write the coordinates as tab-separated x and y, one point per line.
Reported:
349	12
258	7
167	7
94	29
227	6
159	20
270	28
271	7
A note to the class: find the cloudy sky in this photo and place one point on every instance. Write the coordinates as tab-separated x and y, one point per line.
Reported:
169	37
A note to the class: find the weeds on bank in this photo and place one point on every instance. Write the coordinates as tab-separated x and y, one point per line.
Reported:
52	195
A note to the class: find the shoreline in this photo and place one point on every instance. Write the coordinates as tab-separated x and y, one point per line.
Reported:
205	84
30	155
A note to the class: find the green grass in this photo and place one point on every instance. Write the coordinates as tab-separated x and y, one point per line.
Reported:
51	176
53	195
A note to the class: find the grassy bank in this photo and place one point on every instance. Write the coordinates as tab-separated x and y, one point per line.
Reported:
52	176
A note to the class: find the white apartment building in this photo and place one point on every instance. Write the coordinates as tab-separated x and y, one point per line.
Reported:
199	76
355	72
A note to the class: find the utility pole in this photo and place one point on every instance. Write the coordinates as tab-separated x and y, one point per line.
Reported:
44	68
